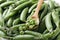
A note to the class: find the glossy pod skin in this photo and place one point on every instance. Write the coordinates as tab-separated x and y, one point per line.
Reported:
16	21
54	33
23	37
34	34
19	2
6	3
9	22
51	4
32	7
24	14
44	11
2	34
4	13
22	5
55	18
13	12
31	14
9	10
48	22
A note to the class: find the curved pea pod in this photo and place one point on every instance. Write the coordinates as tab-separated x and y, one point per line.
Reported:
44	12
51	4
48	22
9	22
32	7
52	34
2	34
4	13
21	6
31	14
24	14
9	10
36	34
6	3
1	18
16	21
23	37
55	16
19	2
13	12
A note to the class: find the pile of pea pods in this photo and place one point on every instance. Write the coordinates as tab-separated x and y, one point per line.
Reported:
16	22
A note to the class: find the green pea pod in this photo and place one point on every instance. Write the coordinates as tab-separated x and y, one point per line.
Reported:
8	12
7	3
31	14
24	14
4	13
51	4
53	34
19	2
48	22
9	22
23	37
2	34
36	34
32	7
16	21
55	15
44	11
1	18
13	12
21	6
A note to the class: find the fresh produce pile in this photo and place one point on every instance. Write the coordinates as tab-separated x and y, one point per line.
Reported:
16	22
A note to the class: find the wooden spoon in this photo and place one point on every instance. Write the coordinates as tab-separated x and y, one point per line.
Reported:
35	15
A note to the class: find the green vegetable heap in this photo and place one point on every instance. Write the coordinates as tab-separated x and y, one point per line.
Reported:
16	22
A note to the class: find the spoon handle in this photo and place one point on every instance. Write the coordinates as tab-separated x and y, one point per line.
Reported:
38	7
35	15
